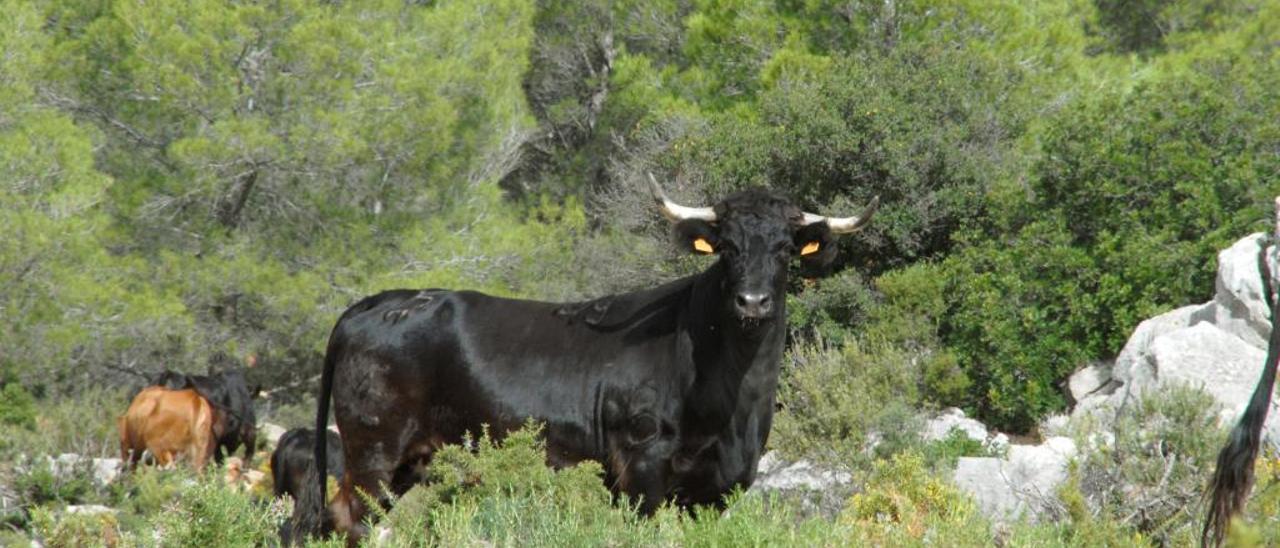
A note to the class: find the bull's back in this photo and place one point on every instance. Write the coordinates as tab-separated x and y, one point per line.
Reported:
465	359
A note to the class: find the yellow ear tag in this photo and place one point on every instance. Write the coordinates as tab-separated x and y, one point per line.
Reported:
702	245
809	248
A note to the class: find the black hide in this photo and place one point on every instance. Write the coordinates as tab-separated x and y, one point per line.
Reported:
294	454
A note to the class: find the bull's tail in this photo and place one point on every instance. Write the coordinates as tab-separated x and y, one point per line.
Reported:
1234	475
309	511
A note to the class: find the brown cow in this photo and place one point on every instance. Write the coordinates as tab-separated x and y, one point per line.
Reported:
169	423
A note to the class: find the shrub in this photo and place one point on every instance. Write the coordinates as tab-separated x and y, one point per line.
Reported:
147	491
504	493
17	407
929	138
944	453
210	514
84	425
1143	26
1148	471
38	484
904	504
1260	525
79	530
1133	194
835	401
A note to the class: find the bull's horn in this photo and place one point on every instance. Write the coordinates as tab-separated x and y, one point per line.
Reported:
845	225
675	212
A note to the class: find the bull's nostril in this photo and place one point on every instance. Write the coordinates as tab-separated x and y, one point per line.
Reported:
753	305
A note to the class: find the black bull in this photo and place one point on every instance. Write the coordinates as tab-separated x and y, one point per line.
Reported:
672	389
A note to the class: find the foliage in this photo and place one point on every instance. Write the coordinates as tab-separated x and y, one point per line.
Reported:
1146	26
39	483
904	503
210	514
205	171
83	529
1148	470
1260	525
17	407
836	401
504	493
85	426
944	453
1133	196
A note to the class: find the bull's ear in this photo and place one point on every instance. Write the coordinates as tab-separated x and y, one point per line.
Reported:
816	248
697	236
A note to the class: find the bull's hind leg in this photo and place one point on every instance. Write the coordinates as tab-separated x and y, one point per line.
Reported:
372	468
349	507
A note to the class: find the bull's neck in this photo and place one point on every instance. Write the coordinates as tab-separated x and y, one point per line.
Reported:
735	364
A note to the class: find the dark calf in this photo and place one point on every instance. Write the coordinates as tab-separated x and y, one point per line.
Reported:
295	453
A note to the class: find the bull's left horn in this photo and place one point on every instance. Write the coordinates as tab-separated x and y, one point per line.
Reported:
845	225
675	212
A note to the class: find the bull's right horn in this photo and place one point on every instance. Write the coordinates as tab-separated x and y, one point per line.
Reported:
845	225
675	212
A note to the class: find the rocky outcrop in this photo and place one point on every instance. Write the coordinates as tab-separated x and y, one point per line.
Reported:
820	489
1218	346
89	509
953	419
271	432
1020	485
103	471
776	475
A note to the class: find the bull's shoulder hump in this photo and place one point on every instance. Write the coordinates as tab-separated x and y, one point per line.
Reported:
613	311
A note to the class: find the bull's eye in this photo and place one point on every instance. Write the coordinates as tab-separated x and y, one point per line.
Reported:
701	245
809	248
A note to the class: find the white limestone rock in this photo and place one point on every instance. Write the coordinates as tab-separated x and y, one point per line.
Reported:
1218	362
89	509
1238	307
801	474
1019	485
1092	382
938	428
271	432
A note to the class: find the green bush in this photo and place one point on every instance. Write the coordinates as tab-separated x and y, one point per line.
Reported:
17	407
1147	472
1131	198
1260	524
210	514
85	425
904	504
99	530
38	485
146	491
929	138
834	399
943	454
503	493
1145	26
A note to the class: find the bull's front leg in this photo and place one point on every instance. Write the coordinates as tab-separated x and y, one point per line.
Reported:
642	464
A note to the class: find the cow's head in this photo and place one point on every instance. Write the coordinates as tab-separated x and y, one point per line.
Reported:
757	234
